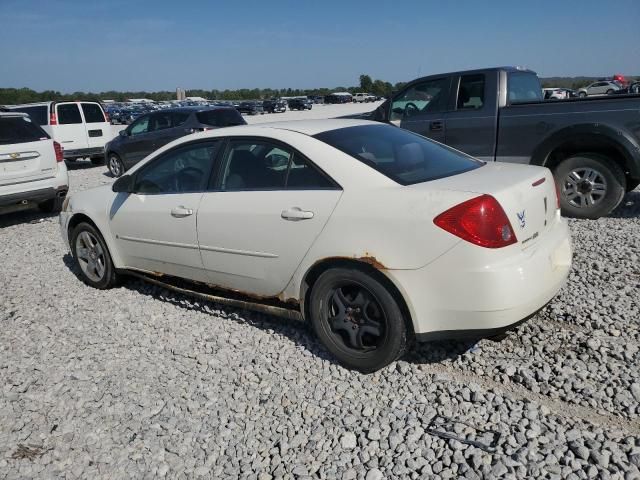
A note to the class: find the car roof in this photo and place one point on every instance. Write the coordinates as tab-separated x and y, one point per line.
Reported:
306	127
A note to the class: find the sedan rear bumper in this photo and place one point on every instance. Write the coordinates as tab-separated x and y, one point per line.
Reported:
462	294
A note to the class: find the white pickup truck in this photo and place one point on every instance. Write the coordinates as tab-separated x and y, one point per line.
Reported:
364	97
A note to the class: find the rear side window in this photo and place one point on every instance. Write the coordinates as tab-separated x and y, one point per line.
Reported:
20	130
471	92
92	113
403	156
524	87
224	117
38	114
68	113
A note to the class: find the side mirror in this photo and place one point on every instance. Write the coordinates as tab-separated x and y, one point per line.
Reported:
123	133
123	184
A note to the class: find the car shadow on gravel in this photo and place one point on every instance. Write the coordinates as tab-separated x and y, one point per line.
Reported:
297	331
81	165
23	217
629	207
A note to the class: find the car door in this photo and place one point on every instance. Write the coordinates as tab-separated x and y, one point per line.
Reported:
97	128
597	88
138	140
266	209
471	125
70	131
160	129
421	106
155	226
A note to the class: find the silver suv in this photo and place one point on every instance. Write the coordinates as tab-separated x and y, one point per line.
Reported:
599	88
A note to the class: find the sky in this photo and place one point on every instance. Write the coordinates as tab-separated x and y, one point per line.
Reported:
84	45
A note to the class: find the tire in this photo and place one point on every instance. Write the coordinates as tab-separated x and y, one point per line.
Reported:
590	185
115	165
610	91
95	264
582	94
375	351
97	160
51	206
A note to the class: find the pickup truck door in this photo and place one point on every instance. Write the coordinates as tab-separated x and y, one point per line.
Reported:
421	107
472	123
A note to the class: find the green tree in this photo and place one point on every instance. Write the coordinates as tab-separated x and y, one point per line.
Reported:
366	84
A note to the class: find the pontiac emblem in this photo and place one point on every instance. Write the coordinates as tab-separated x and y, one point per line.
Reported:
14	155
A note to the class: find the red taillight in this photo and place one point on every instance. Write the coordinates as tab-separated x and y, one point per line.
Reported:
58	148
106	117
53	120
481	221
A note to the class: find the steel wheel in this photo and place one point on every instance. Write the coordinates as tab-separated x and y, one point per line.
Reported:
356	318
584	187
115	165
91	256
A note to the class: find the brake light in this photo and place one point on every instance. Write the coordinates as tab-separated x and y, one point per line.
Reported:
480	221
58	148
106	117
53	119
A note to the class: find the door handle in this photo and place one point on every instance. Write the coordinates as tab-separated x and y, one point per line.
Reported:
181	212
436	126
295	213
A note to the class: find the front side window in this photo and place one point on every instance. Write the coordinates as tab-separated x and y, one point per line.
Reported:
471	92
68	113
140	126
524	87
185	169
431	96
254	165
92	113
401	155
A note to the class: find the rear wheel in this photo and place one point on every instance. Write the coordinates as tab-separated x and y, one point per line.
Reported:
115	165
357	319
610	91
92	257
591	185
582	94
51	206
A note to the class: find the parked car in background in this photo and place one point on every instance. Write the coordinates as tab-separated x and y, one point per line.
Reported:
32	168
558	93
300	104
156	129
251	108
599	88
294	219
363	97
318	99
592	145
632	88
338	97
82	128
274	106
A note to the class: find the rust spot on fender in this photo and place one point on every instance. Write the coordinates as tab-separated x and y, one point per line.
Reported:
371	260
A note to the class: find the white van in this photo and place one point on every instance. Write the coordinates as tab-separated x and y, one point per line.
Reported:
82	128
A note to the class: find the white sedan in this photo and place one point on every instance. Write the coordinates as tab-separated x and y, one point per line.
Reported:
374	234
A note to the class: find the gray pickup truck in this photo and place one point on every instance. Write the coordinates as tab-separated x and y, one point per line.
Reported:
592	145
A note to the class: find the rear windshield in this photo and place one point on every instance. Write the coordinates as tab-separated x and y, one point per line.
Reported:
403	156
524	87
20	130
221	118
38	114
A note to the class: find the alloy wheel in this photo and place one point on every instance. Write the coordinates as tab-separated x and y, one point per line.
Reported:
114	166
91	256
584	187
356	319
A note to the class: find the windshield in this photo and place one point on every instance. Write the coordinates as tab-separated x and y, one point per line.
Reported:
403	156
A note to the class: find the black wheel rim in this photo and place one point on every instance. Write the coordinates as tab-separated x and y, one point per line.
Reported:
356	319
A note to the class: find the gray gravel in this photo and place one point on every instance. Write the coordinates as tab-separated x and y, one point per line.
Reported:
141	382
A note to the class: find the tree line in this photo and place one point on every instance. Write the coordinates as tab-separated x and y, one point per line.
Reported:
11	96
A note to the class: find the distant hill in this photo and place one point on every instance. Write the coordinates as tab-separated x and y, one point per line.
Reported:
573	82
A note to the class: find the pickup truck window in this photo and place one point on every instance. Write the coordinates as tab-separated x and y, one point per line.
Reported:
524	87
430	96
403	156
471	92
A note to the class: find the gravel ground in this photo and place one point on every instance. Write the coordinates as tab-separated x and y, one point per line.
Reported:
141	382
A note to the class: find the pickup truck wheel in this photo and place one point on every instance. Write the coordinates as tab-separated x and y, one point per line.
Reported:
357	319
590	185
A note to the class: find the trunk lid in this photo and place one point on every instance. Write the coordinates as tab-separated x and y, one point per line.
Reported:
526	193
